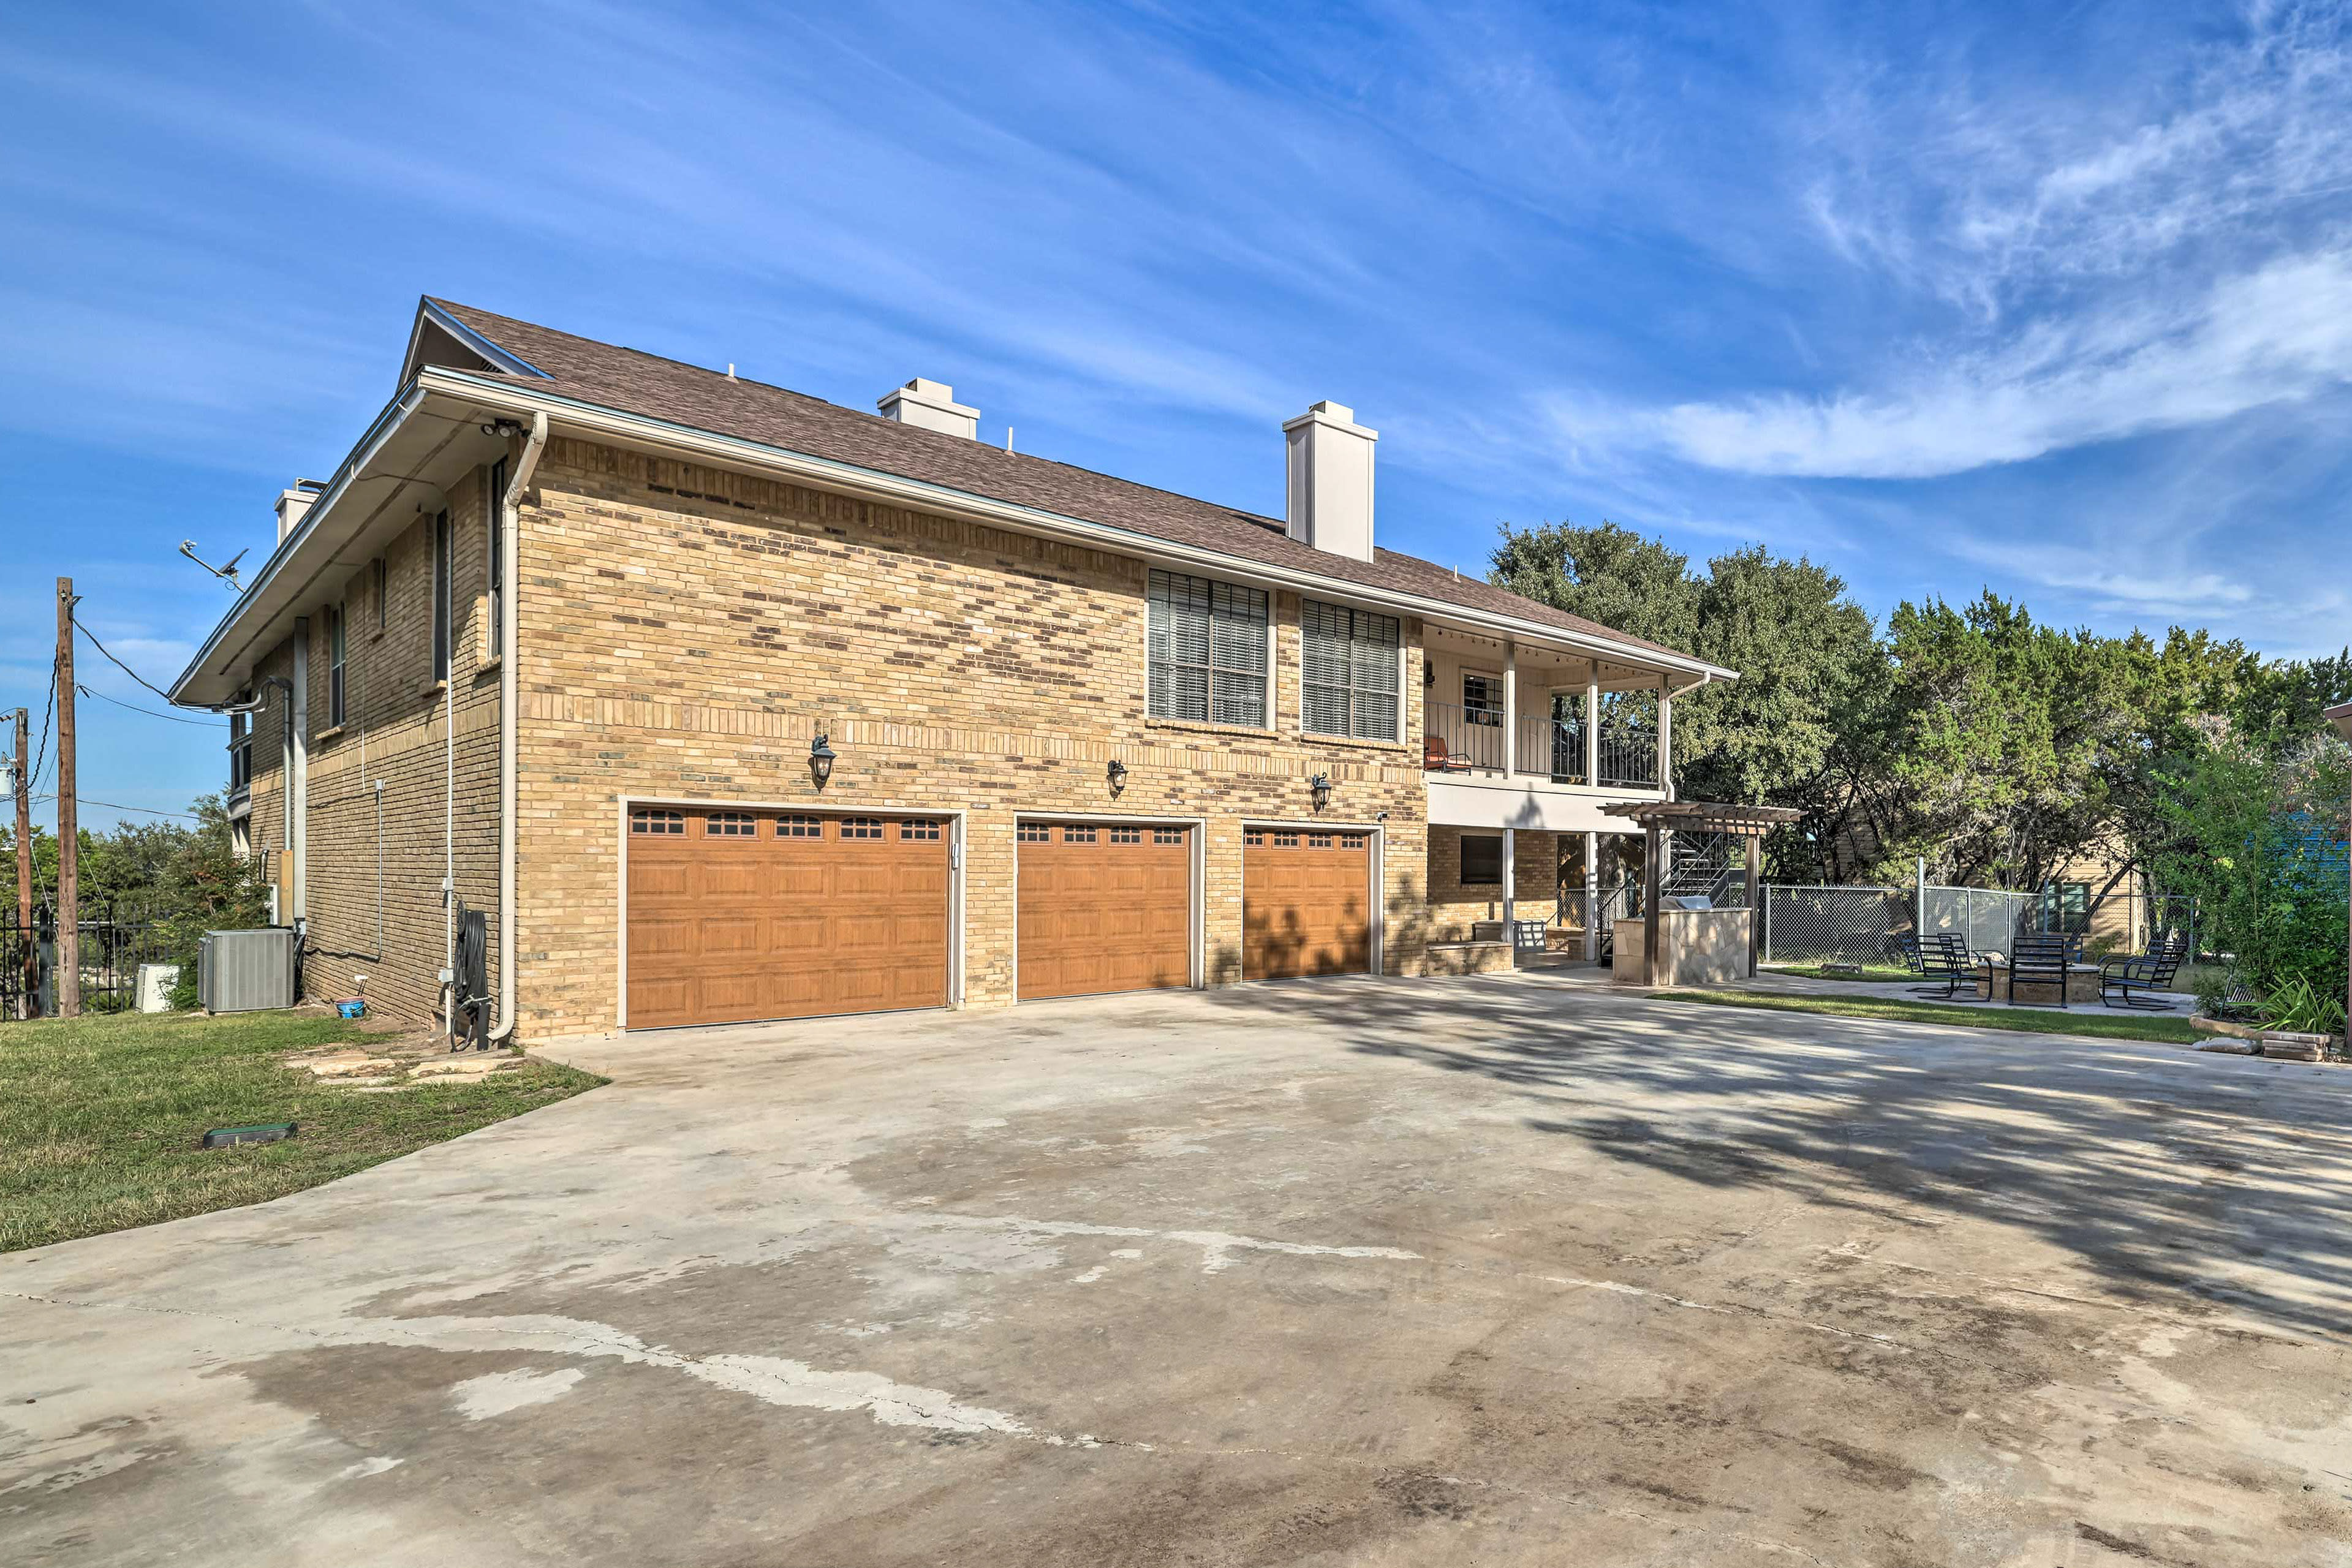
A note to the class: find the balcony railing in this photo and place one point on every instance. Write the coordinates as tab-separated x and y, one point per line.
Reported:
1551	748
1629	759
1459	739
1455	739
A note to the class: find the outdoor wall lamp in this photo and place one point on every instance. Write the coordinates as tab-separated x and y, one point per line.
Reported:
820	760
1319	789
1117	774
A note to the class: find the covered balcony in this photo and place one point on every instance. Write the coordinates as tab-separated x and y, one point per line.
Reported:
1518	736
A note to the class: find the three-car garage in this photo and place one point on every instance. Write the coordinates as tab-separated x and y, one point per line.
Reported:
735	914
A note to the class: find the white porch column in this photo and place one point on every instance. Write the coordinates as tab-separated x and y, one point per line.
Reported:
1592	724
1665	740
1593	898
1510	883
1510	733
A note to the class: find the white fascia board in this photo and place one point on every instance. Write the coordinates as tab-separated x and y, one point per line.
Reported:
386	425
828	473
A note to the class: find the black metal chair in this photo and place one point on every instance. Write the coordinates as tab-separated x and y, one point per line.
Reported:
1944	957
2150	971
1904	946
2039	960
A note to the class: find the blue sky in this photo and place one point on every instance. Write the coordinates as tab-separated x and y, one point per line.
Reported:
2053	299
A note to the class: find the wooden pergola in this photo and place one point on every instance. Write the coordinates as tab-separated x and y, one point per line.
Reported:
1658	818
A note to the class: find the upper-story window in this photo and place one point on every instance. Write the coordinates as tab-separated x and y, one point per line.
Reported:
376	577
1482	699
495	554
1208	651
335	646
1354	662
240	752
441	596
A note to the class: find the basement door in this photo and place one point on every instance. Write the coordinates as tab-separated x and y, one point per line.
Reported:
1104	907
734	916
1306	900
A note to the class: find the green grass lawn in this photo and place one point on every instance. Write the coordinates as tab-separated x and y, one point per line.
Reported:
100	1117
2171	1029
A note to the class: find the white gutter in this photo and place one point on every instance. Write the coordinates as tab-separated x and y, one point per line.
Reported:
387	423
596	419
510	688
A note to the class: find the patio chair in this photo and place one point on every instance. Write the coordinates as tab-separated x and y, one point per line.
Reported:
1944	957
2039	961
2150	971
1528	938
1436	758
1904	948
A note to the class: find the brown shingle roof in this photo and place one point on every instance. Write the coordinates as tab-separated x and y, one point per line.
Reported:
633	382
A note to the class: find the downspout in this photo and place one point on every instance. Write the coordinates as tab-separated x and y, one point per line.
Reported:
510	688
1667	723
298	800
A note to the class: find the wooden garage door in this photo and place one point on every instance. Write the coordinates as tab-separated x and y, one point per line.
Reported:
1104	906
1306	903
734	915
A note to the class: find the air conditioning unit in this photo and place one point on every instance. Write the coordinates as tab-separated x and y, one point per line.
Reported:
245	971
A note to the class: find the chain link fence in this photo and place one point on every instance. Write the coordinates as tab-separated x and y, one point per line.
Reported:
1987	918
1873	924
1834	925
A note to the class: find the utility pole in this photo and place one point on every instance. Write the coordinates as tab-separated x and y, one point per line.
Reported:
29	952
69	826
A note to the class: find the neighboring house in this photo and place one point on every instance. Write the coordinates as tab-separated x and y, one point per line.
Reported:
573	632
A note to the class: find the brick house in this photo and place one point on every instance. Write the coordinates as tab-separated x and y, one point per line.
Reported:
725	703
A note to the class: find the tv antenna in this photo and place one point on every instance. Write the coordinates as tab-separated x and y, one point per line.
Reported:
225	573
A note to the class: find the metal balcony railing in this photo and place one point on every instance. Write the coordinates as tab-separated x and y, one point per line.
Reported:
1551	748
1455	739
1629	759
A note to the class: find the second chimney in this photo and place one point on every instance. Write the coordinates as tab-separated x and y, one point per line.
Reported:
293	504
1330	481
932	406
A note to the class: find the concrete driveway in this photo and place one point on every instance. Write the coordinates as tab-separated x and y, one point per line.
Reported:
1353	1271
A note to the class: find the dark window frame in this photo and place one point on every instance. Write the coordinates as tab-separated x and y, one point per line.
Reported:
1208	651
338	658
1366	650
494	561
1489	844
441	609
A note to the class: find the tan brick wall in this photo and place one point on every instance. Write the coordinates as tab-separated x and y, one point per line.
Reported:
1453	906
684	632
393	730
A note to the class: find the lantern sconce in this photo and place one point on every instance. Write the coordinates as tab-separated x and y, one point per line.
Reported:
1117	774
821	756
1319	789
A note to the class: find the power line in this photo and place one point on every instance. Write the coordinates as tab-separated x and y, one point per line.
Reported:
151	713
115	806
119	663
40	758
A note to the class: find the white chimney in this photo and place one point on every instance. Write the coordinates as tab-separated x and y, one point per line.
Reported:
292	505
1330	490
932	406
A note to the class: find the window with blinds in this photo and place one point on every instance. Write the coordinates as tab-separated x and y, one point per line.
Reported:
1208	651
1353	672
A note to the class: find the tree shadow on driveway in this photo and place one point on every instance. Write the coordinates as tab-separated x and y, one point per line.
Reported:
2176	1175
